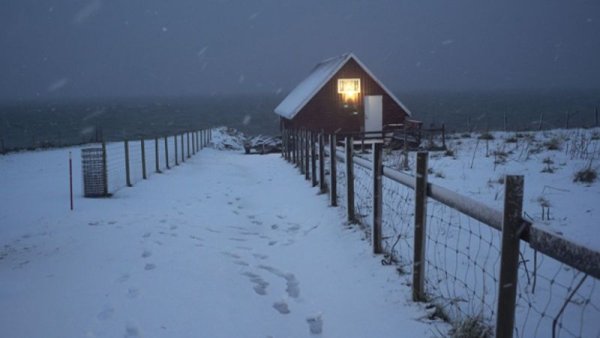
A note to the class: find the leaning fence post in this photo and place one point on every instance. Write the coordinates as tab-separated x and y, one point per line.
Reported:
104	168
175	146
127	178
420	227
322	185
509	255
350	179
313	159
143	158
156	155
377	197
193	143
332	170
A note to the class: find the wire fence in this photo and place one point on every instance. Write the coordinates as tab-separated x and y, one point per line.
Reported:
463	241
129	162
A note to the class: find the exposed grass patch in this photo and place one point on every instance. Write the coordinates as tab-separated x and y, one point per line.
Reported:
486	136
471	327
553	144
587	175
512	139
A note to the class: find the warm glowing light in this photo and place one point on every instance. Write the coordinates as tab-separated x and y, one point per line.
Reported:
349	88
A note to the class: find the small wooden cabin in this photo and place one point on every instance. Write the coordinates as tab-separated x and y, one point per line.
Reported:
342	95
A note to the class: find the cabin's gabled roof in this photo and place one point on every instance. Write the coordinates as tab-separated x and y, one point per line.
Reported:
320	75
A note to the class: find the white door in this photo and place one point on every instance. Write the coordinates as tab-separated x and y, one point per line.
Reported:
373	113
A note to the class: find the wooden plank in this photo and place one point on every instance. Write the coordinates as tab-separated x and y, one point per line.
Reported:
104	168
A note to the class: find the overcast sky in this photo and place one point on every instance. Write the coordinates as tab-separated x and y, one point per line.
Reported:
100	48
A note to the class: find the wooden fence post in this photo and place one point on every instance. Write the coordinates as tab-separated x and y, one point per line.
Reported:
333	170
420	227
127	178
175	144
167	152
509	255
313	159
444	135
301	151
143	158
322	185
405	147
193	143
182	149
306	155
105	168
187	136
377	197
350	179
296	147
156	155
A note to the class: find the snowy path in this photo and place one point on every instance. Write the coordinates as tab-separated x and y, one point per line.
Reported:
226	245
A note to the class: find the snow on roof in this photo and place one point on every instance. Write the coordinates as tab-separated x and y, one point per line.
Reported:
320	75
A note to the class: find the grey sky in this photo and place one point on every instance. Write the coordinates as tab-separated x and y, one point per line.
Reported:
100	48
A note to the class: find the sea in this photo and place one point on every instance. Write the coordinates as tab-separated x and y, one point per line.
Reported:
58	123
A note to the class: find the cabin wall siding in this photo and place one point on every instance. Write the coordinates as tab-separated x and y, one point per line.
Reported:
325	112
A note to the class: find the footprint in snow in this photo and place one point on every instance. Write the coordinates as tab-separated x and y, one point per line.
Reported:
147	234
123	278
293	285
260	286
315	324
281	307
133	293
149	266
146	253
173	227
232	255
131	331
106	313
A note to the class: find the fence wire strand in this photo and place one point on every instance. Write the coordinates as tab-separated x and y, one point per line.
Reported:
463	263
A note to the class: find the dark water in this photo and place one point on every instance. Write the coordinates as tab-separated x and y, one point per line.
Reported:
52	124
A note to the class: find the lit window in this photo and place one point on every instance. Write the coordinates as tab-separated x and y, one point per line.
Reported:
349	89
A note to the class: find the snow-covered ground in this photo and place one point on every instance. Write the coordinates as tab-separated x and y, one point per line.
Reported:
226	245
548	160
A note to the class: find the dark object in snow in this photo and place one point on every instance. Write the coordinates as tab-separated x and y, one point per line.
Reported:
263	145
587	175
